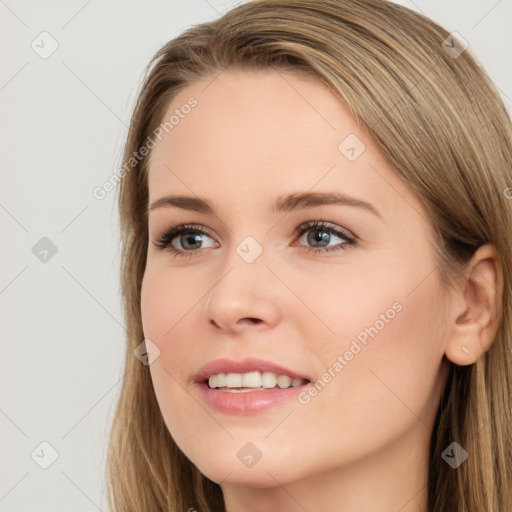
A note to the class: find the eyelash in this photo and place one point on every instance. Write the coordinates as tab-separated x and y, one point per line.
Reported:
164	243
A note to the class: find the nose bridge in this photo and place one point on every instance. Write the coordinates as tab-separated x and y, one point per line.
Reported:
245	289
247	259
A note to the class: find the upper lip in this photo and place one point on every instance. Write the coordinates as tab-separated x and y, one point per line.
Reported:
244	366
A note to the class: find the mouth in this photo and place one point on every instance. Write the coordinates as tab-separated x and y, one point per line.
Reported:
247	386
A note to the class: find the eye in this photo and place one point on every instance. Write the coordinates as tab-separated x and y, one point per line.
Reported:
320	234
188	235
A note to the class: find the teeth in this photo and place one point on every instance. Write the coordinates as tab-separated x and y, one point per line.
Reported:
221	380
268	380
251	380
212	381
283	381
236	382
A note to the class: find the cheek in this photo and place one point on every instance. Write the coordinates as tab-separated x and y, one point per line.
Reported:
166	298
382	367
167	311
387	360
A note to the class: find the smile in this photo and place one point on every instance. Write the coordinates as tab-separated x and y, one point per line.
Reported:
247	386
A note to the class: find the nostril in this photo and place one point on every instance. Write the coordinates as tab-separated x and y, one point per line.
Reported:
246	319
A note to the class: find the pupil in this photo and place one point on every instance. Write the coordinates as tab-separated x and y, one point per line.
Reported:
195	237
318	238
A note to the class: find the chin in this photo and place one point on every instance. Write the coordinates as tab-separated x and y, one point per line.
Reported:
223	465
259	476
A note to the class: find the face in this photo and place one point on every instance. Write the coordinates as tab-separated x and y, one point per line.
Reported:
340	299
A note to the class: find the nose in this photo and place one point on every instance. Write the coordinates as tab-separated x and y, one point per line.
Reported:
245	297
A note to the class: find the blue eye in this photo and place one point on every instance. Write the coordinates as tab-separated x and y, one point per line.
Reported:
190	237
322	233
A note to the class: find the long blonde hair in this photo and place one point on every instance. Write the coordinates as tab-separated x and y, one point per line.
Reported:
440	122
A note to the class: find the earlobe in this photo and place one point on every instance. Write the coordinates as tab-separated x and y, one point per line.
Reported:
477	308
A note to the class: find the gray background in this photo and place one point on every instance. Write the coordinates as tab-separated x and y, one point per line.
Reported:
63	123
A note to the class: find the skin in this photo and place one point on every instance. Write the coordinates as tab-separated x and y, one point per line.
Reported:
360	444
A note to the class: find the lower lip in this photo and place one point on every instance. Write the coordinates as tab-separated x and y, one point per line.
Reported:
247	402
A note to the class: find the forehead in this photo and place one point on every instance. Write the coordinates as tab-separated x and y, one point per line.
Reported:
252	136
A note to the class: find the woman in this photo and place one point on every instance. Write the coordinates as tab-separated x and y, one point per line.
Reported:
316	269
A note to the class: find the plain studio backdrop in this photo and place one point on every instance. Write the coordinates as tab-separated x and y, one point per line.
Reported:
69	76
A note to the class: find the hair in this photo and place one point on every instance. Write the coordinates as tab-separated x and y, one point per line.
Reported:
439	121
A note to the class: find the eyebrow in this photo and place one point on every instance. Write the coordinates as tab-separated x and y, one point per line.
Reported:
284	203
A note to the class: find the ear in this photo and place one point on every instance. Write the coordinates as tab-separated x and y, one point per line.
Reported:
476	307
